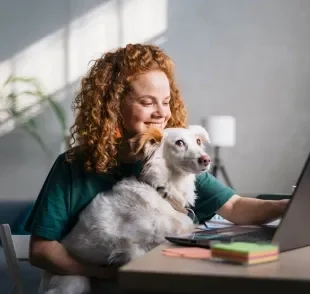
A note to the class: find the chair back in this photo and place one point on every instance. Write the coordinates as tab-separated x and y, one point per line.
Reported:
15	248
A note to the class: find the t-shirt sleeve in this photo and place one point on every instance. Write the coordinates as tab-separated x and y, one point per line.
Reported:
50	214
211	195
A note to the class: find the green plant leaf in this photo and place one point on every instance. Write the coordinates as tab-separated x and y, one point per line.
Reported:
23	120
18	116
59	112
29	129
32	123
15	79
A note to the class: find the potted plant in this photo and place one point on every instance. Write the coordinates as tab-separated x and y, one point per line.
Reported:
14	111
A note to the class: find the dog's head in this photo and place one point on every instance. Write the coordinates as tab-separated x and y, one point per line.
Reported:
183	149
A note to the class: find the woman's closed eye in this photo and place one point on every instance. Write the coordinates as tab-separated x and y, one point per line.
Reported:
147	102
151	103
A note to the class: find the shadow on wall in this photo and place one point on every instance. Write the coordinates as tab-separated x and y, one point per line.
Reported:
31	21
55	43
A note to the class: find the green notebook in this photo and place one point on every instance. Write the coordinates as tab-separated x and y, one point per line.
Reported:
244	247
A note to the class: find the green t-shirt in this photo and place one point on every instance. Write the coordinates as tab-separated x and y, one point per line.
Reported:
68	189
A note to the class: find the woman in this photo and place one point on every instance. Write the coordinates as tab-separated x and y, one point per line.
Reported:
124	93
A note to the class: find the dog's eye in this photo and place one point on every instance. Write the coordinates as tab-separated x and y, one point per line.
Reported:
180	143
198	141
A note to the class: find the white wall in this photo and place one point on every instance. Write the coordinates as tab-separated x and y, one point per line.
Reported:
249	59
23	27
244	58
55	42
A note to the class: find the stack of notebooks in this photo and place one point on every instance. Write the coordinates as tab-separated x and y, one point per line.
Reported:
245	253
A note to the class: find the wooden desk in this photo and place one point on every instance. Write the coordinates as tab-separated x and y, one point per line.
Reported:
155	273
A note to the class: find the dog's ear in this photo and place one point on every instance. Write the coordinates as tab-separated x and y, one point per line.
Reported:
200	132
142	141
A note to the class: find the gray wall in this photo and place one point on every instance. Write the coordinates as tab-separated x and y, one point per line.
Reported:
23	164
244	58
249	59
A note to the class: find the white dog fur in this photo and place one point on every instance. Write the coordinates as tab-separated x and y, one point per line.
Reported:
134	217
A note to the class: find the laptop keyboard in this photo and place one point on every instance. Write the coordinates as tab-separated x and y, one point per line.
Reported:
264	234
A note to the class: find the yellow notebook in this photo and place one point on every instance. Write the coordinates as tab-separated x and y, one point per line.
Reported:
244	252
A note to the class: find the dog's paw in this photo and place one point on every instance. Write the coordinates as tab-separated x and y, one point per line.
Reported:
185	224
172	195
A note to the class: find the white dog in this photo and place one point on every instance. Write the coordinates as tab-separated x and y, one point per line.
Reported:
137	214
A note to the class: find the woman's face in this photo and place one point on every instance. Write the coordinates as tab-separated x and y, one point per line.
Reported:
147	104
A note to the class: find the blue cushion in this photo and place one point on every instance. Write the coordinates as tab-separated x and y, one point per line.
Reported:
18	226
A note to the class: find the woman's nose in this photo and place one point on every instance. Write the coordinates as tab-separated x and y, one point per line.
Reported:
160	111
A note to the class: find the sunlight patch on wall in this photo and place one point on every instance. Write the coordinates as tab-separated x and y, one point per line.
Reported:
90	36
144	20
44	60
5	70
63	57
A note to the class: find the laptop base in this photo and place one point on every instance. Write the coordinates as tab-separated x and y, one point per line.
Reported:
236	234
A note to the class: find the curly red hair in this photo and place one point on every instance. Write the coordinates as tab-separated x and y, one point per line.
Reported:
99	100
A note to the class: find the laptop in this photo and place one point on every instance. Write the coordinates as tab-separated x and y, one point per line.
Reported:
292	231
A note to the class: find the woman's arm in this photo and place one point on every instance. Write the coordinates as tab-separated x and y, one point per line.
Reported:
252	211
53	257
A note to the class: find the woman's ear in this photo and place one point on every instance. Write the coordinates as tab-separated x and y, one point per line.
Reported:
200	132
142	142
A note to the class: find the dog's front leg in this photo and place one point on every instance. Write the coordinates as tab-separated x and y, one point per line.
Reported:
165	189
173	196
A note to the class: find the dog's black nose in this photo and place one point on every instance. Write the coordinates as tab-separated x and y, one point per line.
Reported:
204	159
